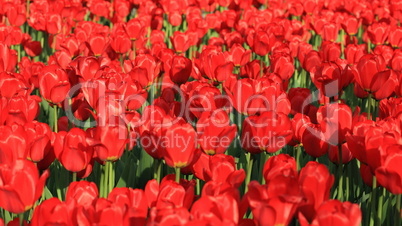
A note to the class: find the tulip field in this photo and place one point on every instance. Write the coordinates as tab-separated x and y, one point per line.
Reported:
201	112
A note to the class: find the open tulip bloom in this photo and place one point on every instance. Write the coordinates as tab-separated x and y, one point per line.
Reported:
174	112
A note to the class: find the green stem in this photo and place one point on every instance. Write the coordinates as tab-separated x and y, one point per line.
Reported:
342	37
177	170
198	187
398	210
250	161
21	219
340	173
111	177
56	129
369	106
103	181
74	176
379	207
263	159
261	67
298	153
372	203
157	169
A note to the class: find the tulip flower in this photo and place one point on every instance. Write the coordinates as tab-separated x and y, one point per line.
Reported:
20	185
54	84
315	183
51	211
180	144
215	132
334	212
73	149
269	132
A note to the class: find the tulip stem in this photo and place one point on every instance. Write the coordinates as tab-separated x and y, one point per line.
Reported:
250	161
21	218
298	153
177	170
379	207
109	165
372	203
103	181
56	129
369	106
74	176
157	169
398	210
340	173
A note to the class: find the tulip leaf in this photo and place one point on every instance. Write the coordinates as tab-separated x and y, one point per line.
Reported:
46	193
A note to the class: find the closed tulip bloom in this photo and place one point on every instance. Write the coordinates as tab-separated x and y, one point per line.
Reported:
268	132
38	140
368	67
180	144
279	165
54	84
389	174
335	213
111	141
73	149
134	200
51	212
315	183
20	185
180	69
215	132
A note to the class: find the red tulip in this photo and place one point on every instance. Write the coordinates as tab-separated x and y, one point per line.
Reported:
262	42
170	194
180	42
82	194
389	174
269	132
20	185
51	211
201	97
98	44
180	69
13	143
354	52
38	140
8	58
239	55
73	149
256	96
336	122
215	210
334	212
282	64
214	64
395	36
215	134
180	144
54	84
145	69
368	67
134	28
300	100
111	140
378	33
281	164
330	51
120	41
351	25
315	183
134	201
275	203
